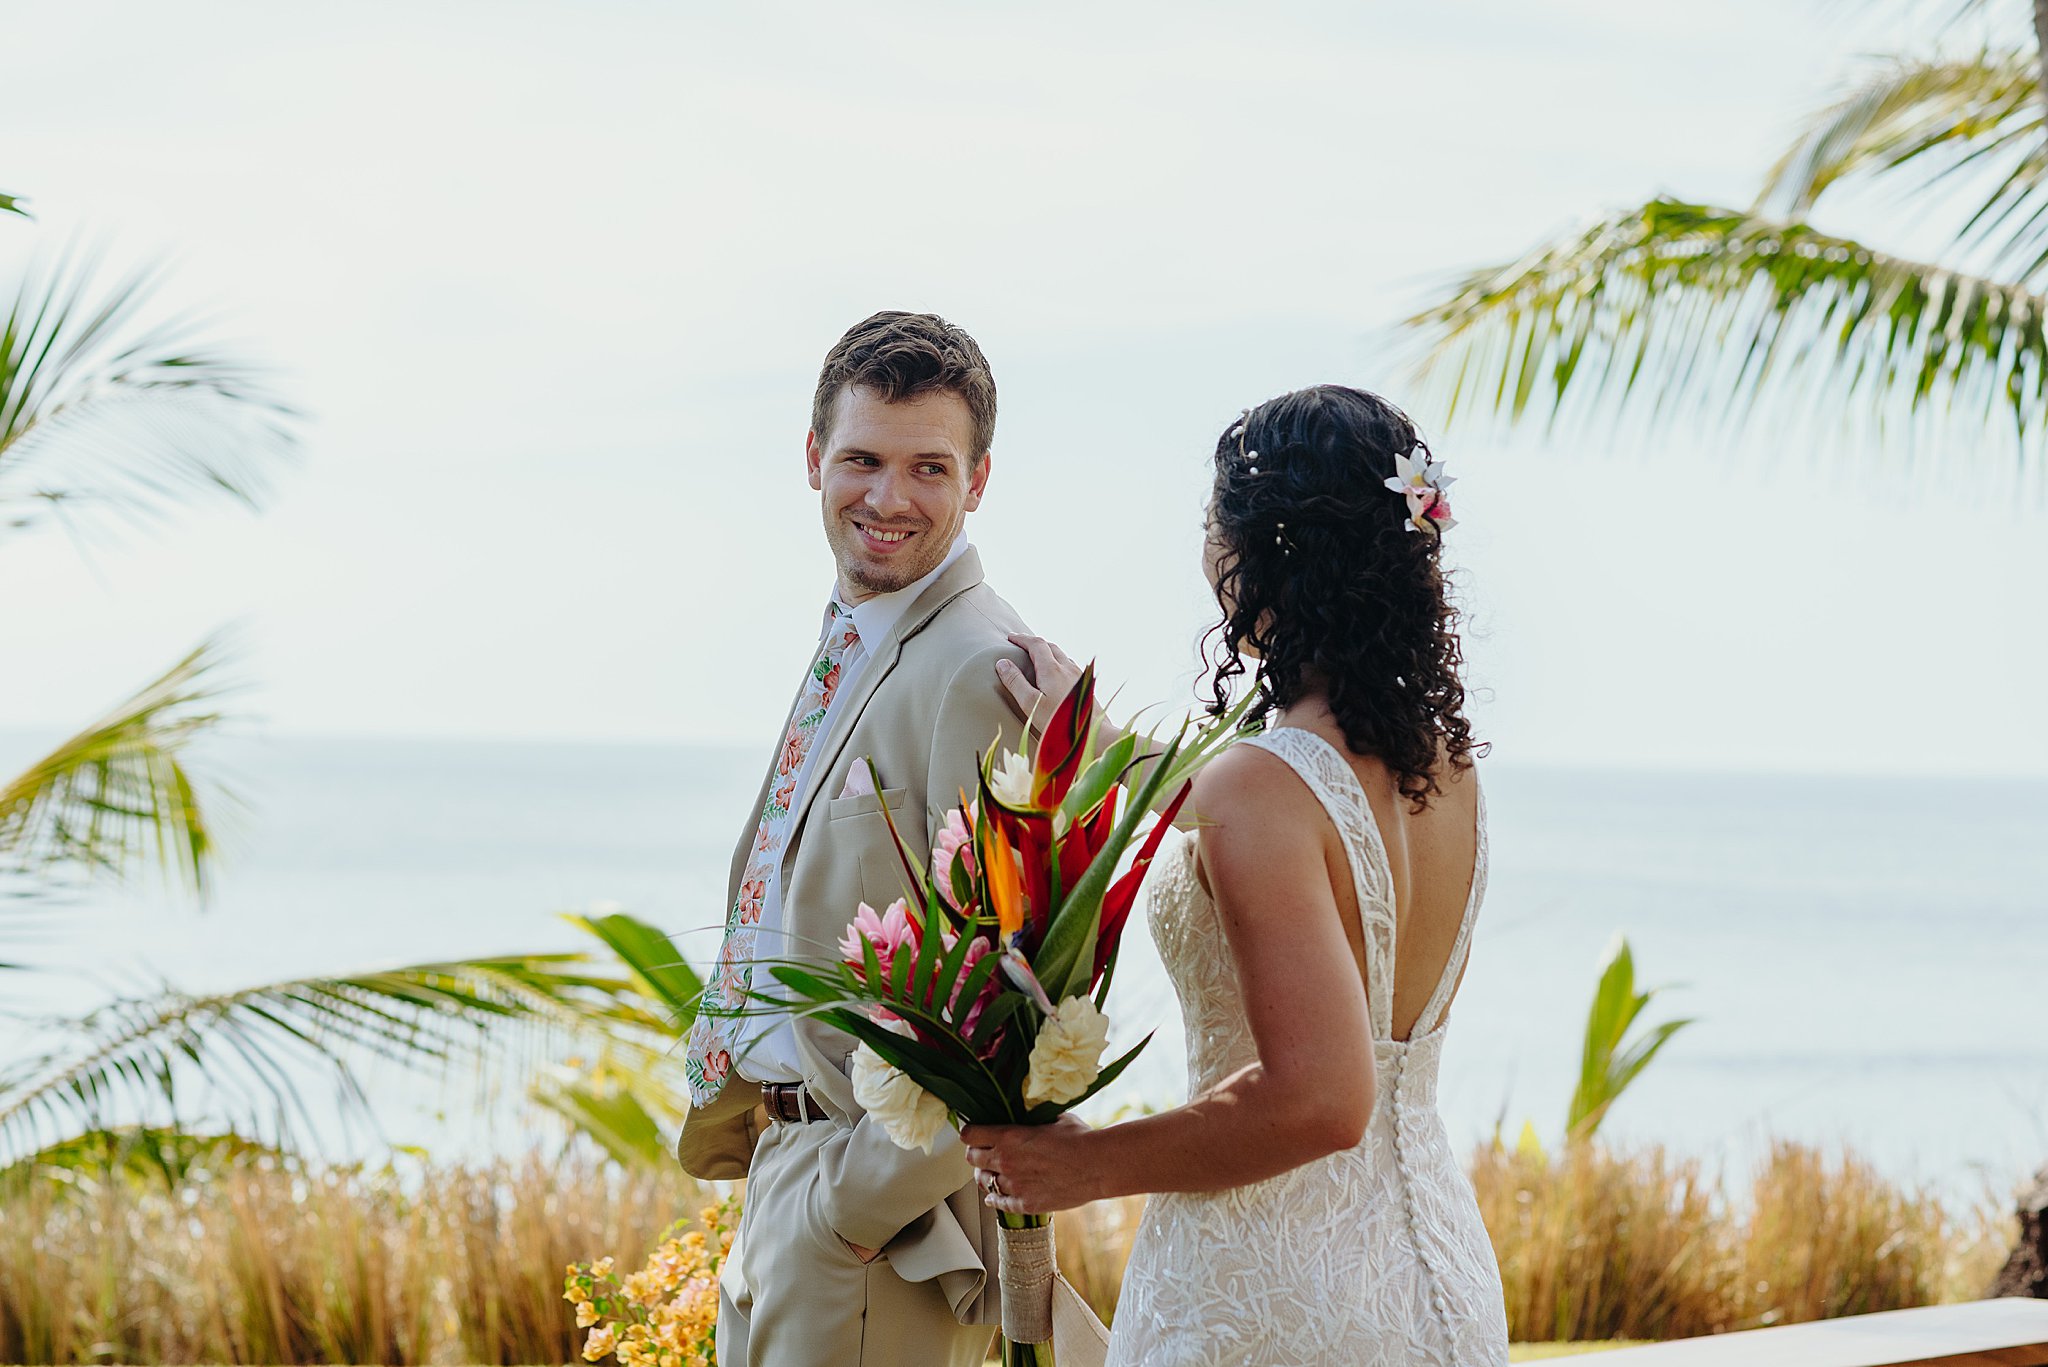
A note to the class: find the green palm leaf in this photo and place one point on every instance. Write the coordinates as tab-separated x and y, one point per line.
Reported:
140	1153
119	790
634	1092
247	1052
11	204
1608	1063
609	1109
100	410
1906	108
1960	124
1678	310
657	968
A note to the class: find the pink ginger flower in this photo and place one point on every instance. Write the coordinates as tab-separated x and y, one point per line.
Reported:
887	931
893	932
976	952
956	841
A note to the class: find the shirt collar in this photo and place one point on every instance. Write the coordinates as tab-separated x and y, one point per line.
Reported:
873	618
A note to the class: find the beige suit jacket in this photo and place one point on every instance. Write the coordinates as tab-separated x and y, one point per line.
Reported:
922	710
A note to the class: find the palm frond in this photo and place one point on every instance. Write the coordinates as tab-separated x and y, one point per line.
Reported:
657	967
1966	125
119	791
11	204
614	1113
633	1096
247	1052
1903	109
1688	311
1606	1066
144	1154
100	411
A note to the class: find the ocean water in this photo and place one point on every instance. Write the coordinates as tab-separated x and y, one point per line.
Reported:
1867	958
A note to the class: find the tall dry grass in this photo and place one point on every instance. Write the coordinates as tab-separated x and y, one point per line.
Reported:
1093	1244
258	1264
1595	1244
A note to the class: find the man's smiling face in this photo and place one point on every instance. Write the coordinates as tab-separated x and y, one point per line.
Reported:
898	481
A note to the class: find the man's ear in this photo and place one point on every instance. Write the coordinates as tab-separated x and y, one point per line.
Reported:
977	480
814	459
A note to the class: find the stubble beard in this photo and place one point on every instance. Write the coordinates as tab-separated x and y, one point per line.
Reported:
859	573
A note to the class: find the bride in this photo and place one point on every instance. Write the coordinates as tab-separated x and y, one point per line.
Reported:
1307	1207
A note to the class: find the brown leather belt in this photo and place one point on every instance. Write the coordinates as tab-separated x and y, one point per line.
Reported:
790	1103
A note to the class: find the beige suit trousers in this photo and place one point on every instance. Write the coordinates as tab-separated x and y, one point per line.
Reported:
792	1294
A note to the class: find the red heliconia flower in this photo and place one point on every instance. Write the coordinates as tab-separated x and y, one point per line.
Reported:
1064	745
1033	837
1123	894
1085	839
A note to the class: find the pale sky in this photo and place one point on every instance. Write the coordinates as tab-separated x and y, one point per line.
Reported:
555	280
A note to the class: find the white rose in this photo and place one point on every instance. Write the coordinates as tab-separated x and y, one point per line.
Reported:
1067	1058
912	1117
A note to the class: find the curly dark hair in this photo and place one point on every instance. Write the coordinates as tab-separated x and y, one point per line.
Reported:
1320	575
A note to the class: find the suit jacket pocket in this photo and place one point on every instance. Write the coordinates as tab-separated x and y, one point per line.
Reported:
841	808
855	824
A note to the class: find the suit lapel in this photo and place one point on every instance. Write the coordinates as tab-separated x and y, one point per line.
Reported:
964	574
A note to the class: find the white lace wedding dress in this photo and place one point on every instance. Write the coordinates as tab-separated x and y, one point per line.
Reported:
1371	1257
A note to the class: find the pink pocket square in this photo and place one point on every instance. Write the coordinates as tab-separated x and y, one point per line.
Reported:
860	780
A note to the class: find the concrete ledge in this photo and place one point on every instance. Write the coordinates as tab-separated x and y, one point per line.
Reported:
2001	1333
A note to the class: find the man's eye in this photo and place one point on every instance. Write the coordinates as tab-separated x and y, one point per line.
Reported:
935	469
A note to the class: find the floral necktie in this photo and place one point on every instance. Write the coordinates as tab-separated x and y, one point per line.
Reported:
708	1059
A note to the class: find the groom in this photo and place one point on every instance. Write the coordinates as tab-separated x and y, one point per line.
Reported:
852	1250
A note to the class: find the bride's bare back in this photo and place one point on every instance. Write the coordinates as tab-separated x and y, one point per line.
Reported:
1433	855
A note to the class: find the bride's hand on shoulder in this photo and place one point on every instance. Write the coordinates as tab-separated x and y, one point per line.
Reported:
1047	676
1032	1169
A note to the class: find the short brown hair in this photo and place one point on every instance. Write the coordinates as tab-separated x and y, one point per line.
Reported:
906	356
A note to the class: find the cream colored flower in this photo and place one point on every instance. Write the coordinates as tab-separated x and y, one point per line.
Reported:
600	1342
912	1117
586	1315
1067	1058
1010	781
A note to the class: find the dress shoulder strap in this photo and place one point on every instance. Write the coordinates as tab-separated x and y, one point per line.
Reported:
1328	775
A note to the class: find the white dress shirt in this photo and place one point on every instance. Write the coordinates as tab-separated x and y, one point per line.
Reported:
767	1044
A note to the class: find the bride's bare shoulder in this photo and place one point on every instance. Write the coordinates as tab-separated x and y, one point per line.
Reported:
1255	821
1250	785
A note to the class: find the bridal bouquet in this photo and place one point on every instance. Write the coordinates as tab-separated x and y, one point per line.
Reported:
978	998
